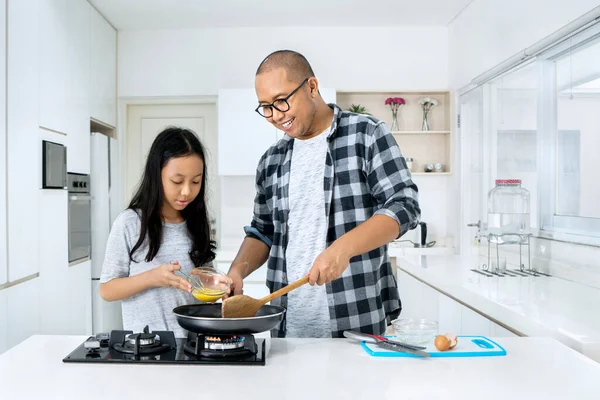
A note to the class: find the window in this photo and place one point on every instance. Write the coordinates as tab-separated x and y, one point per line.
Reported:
541	124
572	71
514	127
578	113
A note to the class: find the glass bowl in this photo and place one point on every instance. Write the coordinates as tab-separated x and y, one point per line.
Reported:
415	331
208	284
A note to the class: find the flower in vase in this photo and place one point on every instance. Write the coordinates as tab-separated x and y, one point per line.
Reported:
427	103
394	103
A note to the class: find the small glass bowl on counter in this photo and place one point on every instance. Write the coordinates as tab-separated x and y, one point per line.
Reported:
415	331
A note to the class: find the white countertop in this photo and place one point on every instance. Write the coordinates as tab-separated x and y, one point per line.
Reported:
533	306
534	368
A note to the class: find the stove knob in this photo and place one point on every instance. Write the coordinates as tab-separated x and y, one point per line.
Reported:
92	343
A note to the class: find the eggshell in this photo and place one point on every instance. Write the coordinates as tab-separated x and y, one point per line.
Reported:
452	339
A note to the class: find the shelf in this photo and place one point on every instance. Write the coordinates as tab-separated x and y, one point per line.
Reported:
101	127
420	132
424	147
430	173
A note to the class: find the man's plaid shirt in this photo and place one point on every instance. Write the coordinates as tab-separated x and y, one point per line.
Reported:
365	174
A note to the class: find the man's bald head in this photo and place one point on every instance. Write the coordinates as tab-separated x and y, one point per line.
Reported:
295	64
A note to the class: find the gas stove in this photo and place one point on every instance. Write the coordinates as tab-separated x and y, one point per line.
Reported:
161	347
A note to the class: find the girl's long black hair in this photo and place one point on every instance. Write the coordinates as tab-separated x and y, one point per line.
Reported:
170	143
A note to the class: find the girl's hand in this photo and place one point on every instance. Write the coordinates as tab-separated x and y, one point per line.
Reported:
164	275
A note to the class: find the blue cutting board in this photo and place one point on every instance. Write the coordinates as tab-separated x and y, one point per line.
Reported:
468	346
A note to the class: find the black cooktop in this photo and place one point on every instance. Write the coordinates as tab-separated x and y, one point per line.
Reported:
162	348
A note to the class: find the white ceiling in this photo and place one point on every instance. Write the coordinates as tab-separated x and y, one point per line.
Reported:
174	14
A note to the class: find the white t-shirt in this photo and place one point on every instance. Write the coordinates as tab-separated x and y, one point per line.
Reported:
307	312
154	306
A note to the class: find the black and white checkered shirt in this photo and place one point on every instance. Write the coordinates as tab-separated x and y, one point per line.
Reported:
365	174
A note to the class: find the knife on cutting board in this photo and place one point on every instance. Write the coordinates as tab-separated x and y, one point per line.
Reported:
386	344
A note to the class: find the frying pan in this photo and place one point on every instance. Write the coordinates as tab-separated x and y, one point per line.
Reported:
206	318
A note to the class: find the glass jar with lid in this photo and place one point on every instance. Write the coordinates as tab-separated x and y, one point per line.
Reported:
508	210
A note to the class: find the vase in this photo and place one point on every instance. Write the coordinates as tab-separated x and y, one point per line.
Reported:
425	126
395	126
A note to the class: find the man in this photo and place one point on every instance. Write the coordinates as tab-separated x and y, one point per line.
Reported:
330	196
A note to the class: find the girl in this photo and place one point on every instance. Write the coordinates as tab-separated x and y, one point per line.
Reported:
166	220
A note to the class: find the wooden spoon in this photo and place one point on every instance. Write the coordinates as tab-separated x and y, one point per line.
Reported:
243	306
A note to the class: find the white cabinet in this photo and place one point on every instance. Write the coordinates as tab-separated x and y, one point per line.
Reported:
4	319
53	235
498	331
65	292
79	309
418	300
22	311
78	87
449	314
103	70
244	136
3	266
53	37
64	75
24	149
422	301
474	324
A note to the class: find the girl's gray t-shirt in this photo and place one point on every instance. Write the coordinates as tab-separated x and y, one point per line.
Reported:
154	306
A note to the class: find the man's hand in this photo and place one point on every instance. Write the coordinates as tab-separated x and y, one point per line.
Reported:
371	234
328	266
237	284
236	274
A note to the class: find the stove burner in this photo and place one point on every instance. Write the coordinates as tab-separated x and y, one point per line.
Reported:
223	346
223	342
146	339
145	343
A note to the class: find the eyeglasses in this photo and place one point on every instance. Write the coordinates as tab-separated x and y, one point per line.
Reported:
281	105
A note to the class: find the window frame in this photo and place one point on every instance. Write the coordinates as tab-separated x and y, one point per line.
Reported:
574	229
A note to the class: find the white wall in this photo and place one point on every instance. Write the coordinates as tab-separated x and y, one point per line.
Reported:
201	61
197	62
489	31
237	194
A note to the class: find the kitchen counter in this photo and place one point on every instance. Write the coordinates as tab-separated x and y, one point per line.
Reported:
529	306
534	368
